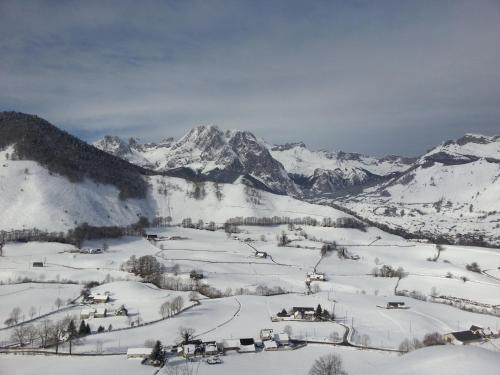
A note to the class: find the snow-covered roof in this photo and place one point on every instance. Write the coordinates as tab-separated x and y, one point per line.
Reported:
247	348
281	337
99	296
230	343
270	344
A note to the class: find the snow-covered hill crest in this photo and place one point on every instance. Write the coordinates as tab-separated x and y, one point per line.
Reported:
335	173
451	191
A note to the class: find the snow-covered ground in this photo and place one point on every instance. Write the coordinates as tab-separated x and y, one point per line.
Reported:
450	191
448	360
40	364
229	263
34	198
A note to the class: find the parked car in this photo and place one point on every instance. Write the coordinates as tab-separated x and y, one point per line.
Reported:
215	360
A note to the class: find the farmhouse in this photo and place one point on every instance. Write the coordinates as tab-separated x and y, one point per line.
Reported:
316	276
87	313
138	353
266	333
306	313
462	337
99	298
396	305
230	344
247	345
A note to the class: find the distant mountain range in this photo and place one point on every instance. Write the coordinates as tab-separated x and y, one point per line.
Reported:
284	169
451	192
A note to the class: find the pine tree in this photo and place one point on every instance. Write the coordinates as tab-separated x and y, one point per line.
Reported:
156	353
87	330
82	331
319	311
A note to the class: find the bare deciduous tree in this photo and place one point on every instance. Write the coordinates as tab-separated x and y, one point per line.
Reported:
177	304
31	334
44	329
15	314
186	334
165	309
330	364
288	330
58	302
19	334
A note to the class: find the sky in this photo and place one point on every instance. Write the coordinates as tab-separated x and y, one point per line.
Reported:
376	77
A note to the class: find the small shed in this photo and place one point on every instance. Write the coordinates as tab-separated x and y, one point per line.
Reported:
282	338
266	334
100	312
270	345
138	353
247	345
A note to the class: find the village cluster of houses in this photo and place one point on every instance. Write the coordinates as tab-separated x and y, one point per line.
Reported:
298	313
268	340
100	311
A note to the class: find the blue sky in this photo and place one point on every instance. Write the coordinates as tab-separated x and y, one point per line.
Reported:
376	77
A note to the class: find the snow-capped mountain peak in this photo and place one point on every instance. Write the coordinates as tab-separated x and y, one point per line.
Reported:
211	152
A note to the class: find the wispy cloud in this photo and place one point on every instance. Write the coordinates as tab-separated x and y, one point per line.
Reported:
376	77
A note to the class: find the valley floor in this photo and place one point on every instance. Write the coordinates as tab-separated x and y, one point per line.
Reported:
229	264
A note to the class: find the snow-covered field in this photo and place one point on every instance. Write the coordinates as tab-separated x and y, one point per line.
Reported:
228	263
449	360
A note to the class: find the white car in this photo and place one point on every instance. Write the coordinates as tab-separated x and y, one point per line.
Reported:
216	360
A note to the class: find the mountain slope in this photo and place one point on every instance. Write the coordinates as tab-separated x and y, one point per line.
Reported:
33	138
335	173
32	197
451	192
209	152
